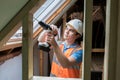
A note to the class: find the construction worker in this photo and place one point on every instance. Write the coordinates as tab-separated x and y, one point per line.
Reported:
68	55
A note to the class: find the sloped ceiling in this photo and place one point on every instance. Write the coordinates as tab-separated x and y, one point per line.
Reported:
8	9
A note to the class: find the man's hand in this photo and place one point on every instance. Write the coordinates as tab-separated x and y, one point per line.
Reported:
54	29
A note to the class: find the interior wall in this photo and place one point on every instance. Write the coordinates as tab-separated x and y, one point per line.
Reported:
11	69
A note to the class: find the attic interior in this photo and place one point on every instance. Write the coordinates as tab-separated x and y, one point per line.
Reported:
75	11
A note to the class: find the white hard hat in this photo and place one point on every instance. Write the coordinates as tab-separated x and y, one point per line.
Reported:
77	25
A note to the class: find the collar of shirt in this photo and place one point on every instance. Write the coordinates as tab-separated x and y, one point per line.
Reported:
70	46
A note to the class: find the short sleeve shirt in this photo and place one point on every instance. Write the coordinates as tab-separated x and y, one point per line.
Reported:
77	55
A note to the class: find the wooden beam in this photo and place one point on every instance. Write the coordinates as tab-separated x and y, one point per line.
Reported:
37	6
118	46
87	39
6	33
11	45
9	34
98	50
27	48
111	43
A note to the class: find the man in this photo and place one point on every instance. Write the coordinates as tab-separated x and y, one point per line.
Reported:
68	55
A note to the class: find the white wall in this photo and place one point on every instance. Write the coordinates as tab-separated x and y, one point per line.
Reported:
11	69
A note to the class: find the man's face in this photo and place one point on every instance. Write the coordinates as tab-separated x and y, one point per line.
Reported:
70	33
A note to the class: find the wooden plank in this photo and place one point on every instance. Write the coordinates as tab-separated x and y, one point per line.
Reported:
27	48
6	32
98	50
111	40
87	39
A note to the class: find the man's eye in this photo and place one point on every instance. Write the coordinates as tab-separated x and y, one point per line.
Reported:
71	30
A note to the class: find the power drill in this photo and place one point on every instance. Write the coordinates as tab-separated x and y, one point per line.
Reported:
44	45
45	26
